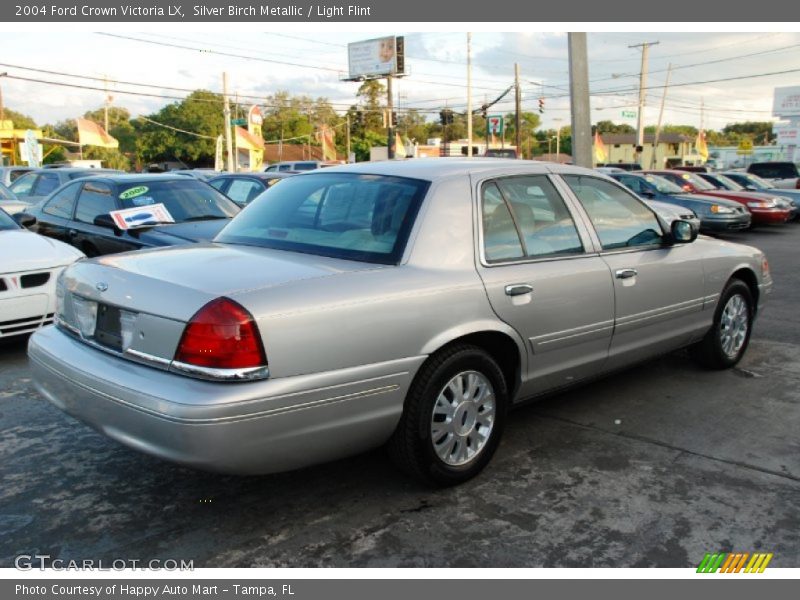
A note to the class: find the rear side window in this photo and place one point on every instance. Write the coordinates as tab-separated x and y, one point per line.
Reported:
62	203
243	191
620	219
23	185
46	184
95	199
526	217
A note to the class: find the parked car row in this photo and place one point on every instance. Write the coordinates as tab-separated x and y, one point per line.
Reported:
408	303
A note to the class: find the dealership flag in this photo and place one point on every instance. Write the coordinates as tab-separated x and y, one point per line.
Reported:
91	134
701	146
600	152
326	137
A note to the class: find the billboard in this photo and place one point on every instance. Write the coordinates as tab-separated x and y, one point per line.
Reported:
786	102
375	58
787	136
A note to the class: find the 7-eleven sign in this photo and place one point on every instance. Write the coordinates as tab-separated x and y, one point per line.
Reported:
495	124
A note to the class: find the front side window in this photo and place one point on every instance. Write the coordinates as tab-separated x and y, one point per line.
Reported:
526	217
95	199
341	215
619	218
62	203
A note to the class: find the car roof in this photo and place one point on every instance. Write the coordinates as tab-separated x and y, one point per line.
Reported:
433	169
123	178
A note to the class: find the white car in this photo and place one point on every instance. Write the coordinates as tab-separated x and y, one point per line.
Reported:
29	268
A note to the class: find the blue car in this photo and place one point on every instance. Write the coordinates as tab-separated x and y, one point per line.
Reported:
715	214
754	183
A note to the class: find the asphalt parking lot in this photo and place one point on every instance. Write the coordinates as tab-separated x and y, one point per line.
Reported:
649	468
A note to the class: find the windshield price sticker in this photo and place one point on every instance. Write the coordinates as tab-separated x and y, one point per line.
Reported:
141	216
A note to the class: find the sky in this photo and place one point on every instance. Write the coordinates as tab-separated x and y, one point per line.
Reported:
315	62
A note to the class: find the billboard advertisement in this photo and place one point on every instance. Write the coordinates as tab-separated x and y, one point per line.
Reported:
374	58
786	102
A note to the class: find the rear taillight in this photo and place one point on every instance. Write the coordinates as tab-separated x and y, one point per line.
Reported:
797	184
687	188
221	335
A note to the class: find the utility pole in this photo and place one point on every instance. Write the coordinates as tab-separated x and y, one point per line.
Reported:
645	46
558	139
390	128
347	135
106	102
469	94
226	110
660	117
579	101
518	108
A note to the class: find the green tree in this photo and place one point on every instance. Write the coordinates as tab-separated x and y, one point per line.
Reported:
759	131
372	100
611	127
199	113
20	120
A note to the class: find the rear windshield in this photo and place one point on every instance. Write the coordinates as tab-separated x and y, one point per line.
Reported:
185	199
341	215
774	170
304	166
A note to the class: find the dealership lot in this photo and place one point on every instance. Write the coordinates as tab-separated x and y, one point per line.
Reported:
652	467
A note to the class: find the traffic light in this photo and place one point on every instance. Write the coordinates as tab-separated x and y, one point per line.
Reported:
360	118
446	116
541	105
394	118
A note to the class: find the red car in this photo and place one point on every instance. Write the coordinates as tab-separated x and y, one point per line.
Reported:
765	210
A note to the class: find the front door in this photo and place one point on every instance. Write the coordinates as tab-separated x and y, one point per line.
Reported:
658	288
541	280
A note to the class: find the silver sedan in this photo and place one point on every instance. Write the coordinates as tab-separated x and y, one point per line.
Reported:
403	303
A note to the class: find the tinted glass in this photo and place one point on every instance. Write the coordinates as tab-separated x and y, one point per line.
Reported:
305	166
63	202
95	199
619	218
218	184
343	215
23	185
16	174
753	181
5	194
774	170
729	183
540	214
46	184
186	199
635	184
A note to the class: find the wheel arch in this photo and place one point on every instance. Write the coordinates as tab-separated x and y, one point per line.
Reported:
748	276
501	342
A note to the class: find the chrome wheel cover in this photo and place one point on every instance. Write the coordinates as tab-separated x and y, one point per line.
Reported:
463	418
734	324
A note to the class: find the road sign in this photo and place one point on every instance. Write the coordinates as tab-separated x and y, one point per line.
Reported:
239	122
495	124
745	147
628	114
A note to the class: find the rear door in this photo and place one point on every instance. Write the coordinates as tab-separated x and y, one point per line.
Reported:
544	279
658	288
56	214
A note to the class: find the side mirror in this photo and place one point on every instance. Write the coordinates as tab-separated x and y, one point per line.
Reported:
24	219
105	220
683	232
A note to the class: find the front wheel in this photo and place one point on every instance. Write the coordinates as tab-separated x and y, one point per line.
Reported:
727	340
453	417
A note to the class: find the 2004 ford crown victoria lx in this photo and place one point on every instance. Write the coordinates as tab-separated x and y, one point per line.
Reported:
405	302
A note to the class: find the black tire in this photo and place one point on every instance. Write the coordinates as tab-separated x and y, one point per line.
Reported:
710	352
412	444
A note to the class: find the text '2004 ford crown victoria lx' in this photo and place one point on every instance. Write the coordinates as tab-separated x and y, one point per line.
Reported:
409	303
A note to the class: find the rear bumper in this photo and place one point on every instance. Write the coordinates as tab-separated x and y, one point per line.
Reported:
245	428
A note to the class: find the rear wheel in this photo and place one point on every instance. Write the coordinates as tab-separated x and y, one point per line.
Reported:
453	417
727	340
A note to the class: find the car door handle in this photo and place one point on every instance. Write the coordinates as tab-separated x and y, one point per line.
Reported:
518	289
72	232
626	273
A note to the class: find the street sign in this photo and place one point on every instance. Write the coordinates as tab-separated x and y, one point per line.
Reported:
239	122
628	114
745	147
495	124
